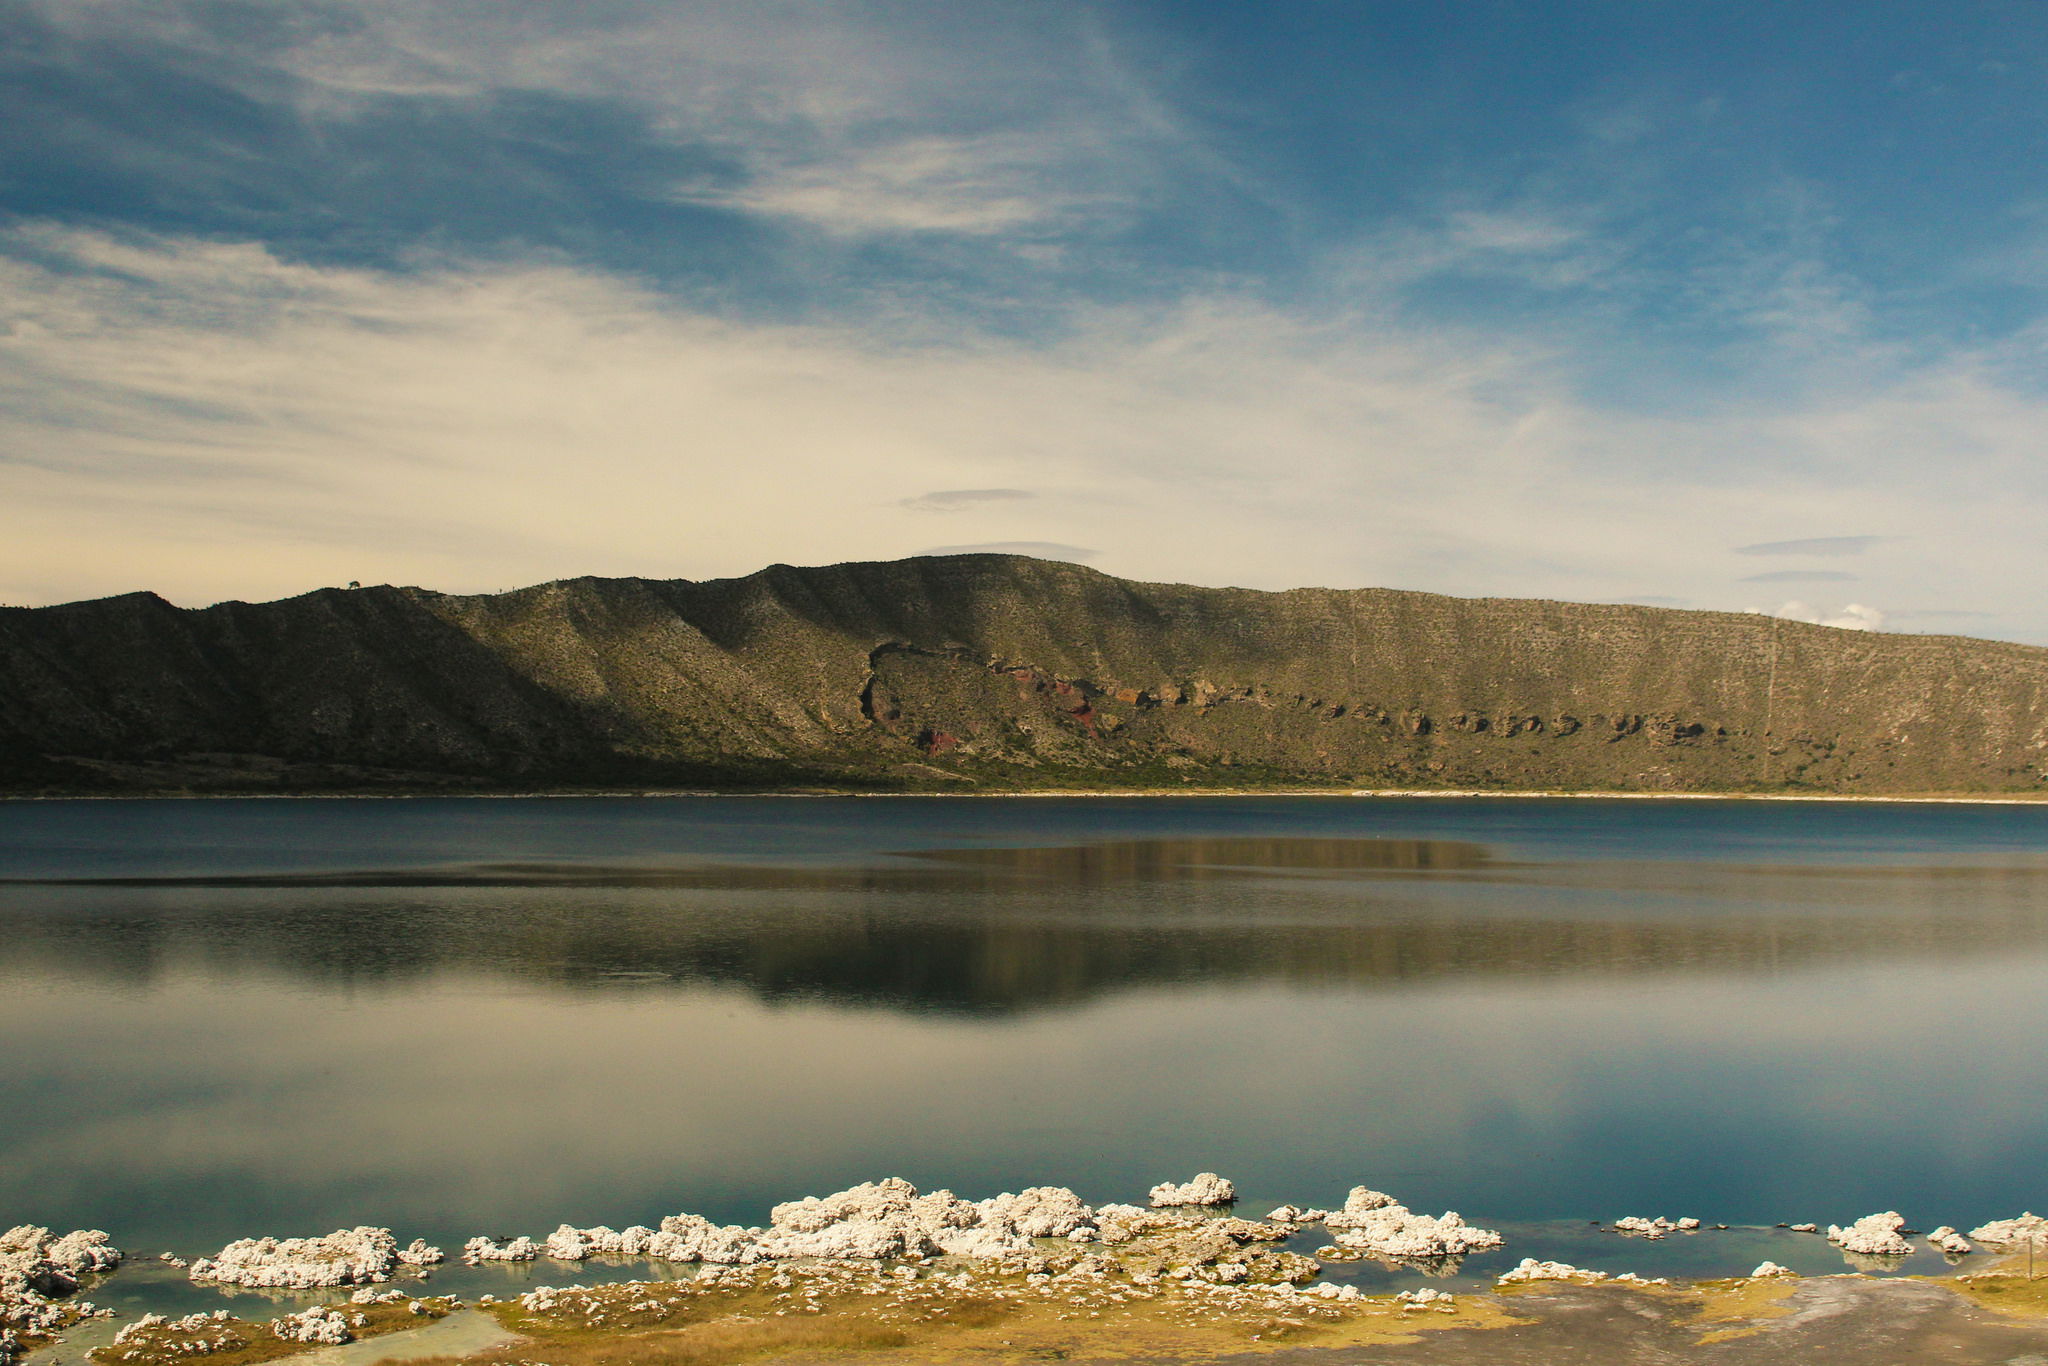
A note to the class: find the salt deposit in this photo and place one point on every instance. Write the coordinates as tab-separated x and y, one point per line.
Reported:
417	1253
1295	1214
317	1325
37	1269
481	1249
2028	1228
874	1221
1769	1270
692	1238
1039	1212
1873	1235
1950	1241
1372	1222
344	1257
1206	1189
1529	1269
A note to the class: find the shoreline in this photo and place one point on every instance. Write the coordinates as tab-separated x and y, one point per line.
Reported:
827	1312
1089	794
1021	1277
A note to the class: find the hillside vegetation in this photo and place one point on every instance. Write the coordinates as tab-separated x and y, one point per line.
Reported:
987	672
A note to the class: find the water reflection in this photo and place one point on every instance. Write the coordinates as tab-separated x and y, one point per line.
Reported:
1000	931
500	1043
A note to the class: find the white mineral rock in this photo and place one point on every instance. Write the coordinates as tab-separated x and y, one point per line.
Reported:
1950	1241
1872	1235
417	1253
481	1249
1295	1214
344	1257
1424	1297
1647	1228
693	1238
1038	1212
130	1332
83	1251
2013	1232
36	1266
1532	1270
1124	1223
1806	1228
1688	1225
1766	1270
319	1324
1206	1189
1372	1222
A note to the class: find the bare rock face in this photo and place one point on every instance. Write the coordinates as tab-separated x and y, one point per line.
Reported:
1874	1235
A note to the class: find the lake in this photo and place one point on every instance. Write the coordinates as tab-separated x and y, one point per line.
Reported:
226	1018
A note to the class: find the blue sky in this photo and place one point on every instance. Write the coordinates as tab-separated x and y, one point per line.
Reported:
1731	306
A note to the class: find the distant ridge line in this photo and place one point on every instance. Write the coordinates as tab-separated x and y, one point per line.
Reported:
991	672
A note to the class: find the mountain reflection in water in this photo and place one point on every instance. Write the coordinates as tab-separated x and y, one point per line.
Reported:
992	931
225	1019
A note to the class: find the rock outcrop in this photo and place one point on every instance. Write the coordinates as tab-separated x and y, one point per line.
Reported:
2027	1228
38	1271
345	1257
1206	1189
1874	1235
1373	1223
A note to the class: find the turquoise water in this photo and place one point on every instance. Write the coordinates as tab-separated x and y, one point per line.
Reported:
227	1018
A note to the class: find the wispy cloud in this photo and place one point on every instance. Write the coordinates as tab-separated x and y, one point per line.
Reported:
1812	545
960	500
208	419
1799	576
853	120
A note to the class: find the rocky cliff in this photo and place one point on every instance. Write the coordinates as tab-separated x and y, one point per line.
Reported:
991	671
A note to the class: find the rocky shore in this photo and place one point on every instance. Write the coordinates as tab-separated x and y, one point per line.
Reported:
884	1264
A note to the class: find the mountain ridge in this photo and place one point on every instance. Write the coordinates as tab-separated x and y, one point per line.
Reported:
993	672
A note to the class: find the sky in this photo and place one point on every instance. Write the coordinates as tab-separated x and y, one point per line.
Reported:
1740	306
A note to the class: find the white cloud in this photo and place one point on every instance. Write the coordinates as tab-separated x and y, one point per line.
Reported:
207	420
1853	617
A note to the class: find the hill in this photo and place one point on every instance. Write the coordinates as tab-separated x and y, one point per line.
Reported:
988	672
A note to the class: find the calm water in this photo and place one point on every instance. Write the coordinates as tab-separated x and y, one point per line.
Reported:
223	1018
